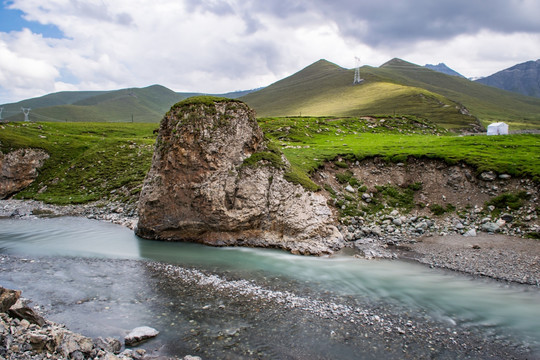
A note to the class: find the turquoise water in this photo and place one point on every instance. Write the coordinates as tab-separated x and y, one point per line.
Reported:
451	298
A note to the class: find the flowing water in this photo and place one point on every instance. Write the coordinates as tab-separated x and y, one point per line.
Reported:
89	275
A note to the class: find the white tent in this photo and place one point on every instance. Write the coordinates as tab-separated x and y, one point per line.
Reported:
498	128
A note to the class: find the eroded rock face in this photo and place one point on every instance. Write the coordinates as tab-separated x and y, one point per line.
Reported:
199	188
18	169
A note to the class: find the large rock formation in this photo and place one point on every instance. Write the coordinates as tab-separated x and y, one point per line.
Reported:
206	185
18	169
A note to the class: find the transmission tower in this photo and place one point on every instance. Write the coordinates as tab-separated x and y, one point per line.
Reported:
26	112
357	78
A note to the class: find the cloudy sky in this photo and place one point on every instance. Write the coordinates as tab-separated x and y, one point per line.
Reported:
218	46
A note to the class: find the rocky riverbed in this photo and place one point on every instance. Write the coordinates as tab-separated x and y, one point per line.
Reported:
221	315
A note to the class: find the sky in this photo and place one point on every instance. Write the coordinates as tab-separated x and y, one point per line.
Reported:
217	46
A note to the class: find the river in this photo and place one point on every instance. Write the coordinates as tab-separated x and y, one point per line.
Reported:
102	280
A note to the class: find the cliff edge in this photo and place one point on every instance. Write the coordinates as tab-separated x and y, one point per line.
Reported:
214	180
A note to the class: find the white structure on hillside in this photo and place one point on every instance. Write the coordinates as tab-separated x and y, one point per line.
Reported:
498	128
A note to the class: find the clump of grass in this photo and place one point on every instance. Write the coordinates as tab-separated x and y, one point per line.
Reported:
267	158
297	176
437	209
512	201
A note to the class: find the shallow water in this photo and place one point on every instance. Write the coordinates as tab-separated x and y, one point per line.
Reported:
70	277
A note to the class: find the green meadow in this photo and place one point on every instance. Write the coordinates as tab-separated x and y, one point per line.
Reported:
91	161
88	161
309	142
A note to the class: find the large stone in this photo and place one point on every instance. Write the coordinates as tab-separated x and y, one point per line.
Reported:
199	187
18	169
489	227
140	334
23	312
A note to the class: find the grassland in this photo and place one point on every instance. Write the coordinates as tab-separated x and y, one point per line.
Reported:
91	161
88	161
309	142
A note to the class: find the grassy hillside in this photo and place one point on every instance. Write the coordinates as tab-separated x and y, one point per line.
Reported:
397	87
326	89
88	161
137	104
91	161
487	103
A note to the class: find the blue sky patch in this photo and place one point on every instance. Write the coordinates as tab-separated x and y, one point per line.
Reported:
13	20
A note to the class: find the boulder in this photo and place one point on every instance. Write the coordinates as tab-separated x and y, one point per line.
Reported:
139	334
8	298
18	169
213	180
23	312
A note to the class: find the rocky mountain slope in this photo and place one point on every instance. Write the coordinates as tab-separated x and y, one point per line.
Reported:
522	78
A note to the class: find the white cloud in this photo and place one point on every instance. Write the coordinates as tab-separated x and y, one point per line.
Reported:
219	46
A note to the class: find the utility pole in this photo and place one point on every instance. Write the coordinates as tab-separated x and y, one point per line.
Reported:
26	112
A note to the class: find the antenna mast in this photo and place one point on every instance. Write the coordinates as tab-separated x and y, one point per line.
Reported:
357	78
26	112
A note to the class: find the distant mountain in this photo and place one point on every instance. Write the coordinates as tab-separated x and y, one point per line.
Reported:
522	78
134	104
396	87
442	68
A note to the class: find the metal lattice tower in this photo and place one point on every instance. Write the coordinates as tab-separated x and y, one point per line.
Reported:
357	78
26	112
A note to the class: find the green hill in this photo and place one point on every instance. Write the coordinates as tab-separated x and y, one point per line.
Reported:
136	104
397	87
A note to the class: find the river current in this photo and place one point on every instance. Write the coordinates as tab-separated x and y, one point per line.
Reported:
102	280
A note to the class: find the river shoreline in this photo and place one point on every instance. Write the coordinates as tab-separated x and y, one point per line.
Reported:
497	256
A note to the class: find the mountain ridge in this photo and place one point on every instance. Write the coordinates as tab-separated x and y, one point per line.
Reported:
523	78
